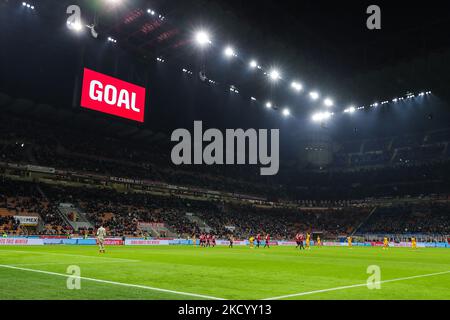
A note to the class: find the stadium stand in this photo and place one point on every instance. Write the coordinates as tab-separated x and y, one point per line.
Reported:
111	180
423	218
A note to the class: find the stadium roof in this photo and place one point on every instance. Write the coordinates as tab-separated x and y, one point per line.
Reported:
325	46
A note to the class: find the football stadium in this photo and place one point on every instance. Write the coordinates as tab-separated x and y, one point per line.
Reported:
224	150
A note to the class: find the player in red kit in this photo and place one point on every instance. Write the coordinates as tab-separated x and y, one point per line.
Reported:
267	244
231	239
301	238
258	240
213	240
202	240
297	240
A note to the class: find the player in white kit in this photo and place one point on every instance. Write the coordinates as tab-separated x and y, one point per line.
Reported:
101	235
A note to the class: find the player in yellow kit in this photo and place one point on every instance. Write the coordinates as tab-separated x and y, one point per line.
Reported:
385	243
413	243
308	241
349	240
319	242
252	242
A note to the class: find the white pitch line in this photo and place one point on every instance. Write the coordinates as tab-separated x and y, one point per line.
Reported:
113	283
67	255
66	263
355	286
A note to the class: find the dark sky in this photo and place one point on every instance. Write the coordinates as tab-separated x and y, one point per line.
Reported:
335	31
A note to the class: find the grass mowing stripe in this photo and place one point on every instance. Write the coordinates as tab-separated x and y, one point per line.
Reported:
113	283
356	286
67	255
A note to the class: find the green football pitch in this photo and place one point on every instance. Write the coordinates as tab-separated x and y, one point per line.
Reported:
159	273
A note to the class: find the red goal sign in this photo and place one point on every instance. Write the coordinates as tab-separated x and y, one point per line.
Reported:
112	96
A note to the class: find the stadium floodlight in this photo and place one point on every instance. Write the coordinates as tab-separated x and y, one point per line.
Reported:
75	26
321	116
29	6
202	38
328	102
350	109
297	86
317	117
314	95
269	105
274	75
253	98
253	64
234	89
286	112
229	52
395	100
152	12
